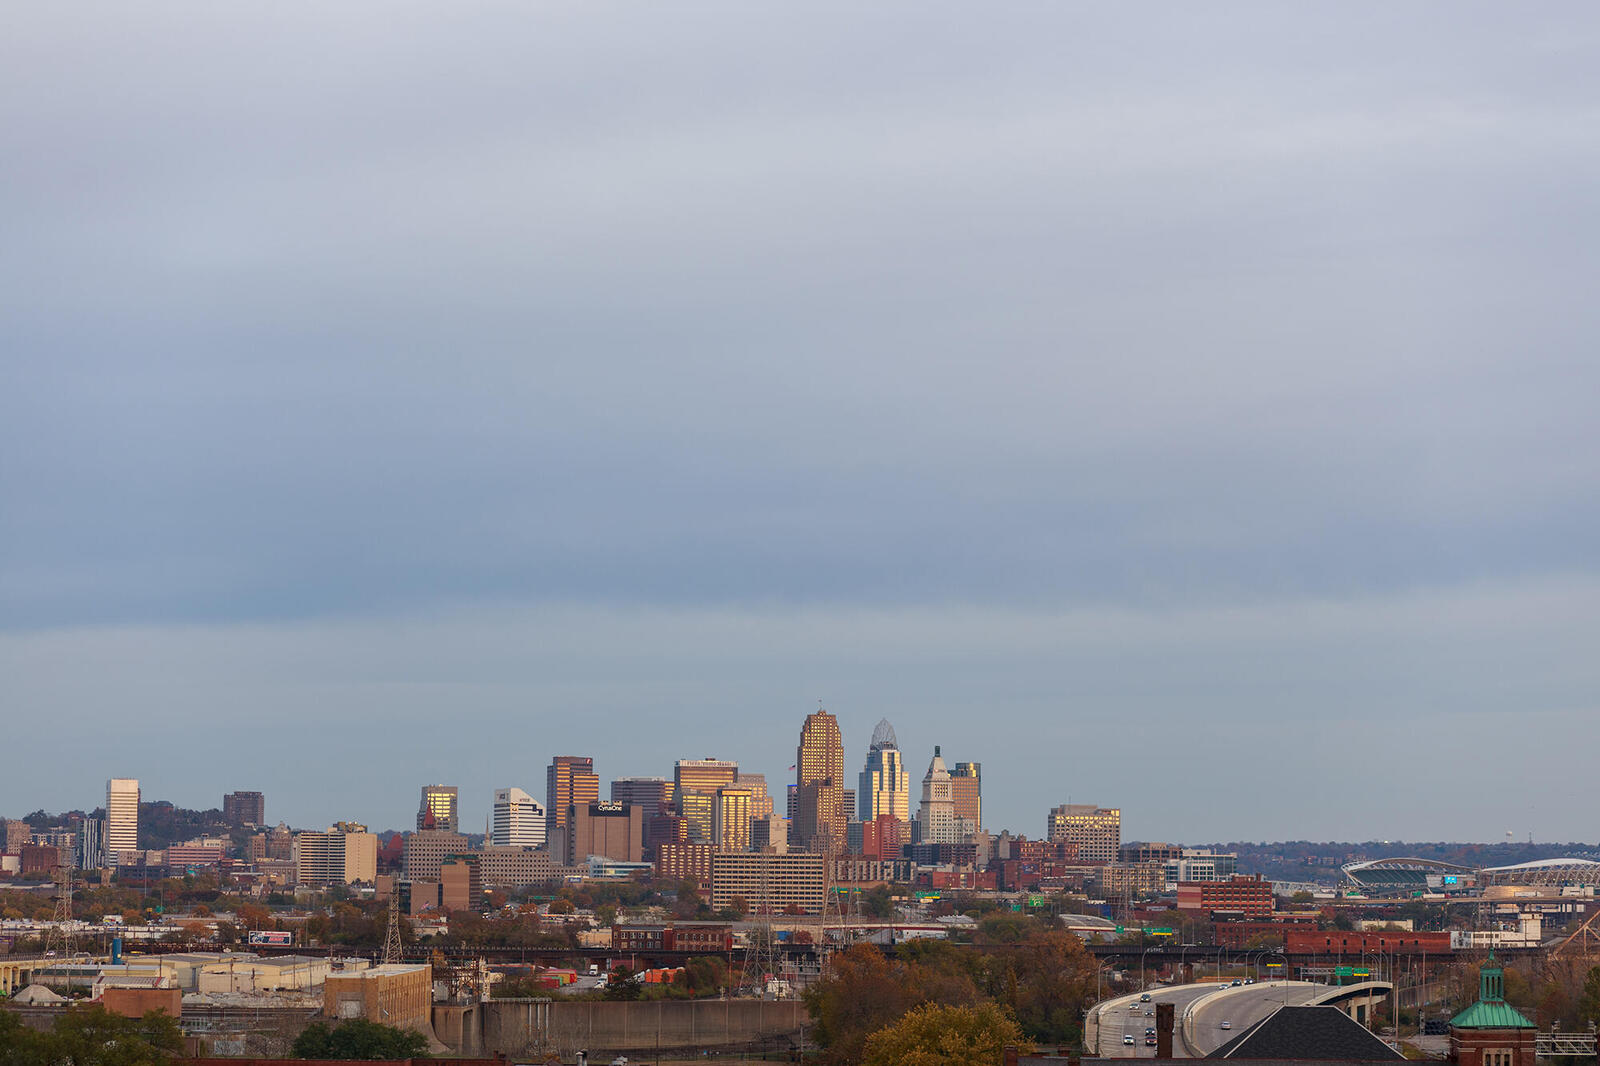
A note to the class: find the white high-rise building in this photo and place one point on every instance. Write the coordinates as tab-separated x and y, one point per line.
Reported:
122	817
517	821
885	785
936	819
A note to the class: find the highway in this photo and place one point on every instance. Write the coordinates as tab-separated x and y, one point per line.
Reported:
1208	1004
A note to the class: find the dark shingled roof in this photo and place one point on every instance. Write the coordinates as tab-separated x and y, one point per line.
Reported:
1307	1033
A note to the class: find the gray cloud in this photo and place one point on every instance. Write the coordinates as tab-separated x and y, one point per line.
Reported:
385	313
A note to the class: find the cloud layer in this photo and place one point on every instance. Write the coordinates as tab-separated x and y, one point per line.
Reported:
382	326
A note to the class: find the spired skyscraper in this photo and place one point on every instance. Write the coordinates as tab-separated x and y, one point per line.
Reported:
936	820
885	785
820	817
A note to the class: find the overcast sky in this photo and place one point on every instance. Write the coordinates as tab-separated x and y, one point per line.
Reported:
1189	408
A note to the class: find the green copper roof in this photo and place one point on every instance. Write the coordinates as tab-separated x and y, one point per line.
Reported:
1499	1015
1491	1011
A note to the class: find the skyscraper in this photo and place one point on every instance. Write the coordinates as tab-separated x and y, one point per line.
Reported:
695	782
122	817
517	819
651	794
244	808
885	785
966	788
760	801
569	779
819	775
438	809
730	819
936	818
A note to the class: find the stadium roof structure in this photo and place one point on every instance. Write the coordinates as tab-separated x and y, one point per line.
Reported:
1544	872
1401	872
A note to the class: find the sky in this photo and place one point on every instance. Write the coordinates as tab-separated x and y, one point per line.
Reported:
1189	409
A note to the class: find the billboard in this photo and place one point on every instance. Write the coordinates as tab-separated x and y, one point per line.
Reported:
272	937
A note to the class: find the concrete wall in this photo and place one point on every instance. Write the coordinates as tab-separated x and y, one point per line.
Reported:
514	1025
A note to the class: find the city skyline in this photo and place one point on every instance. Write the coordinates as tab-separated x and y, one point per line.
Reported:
1203	402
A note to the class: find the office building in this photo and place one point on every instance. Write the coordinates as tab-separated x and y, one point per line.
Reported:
1096	830
730	819
427	849
91	844
122	818
343	855
461	882
514	867
819	776
244	808
517	820
1251	896
695	784
760	800
653	795
936	818
685	862
570	779
610	830
768	883
885	786
966	789
769	834
438	809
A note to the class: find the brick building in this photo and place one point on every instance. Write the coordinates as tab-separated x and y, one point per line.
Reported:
1250	896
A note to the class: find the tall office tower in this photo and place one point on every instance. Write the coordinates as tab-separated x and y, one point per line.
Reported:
885	785
244	808
569	779
760	801
653	795
1096	830
819	774
517	820
438	809
345	854
730	819
610	830
122	817
966	788
91	844
695	782
936	818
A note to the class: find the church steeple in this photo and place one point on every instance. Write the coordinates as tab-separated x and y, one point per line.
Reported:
1492	982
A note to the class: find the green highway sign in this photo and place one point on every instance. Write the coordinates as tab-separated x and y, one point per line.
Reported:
1160	931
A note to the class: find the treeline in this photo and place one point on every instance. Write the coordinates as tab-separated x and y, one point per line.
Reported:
1041	976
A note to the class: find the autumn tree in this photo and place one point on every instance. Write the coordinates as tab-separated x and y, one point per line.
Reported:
937	1035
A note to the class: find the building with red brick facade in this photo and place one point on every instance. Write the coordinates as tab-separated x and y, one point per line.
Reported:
1251	896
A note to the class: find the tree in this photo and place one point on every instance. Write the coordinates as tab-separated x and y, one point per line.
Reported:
621	985
1589	999
93	1036
936	1035
358	1039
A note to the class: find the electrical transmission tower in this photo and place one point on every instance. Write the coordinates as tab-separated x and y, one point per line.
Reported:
761	944
391	935
59	937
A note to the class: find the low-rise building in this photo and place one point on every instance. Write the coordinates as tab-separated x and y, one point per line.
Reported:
401	996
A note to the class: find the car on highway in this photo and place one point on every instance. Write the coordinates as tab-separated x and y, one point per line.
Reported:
1127	1039
1149	1041
1150	1031
1150	1012
1144	997
1236	983
1225	1025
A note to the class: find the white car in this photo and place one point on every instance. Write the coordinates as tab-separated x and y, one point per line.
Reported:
1126	1039
1226	1025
